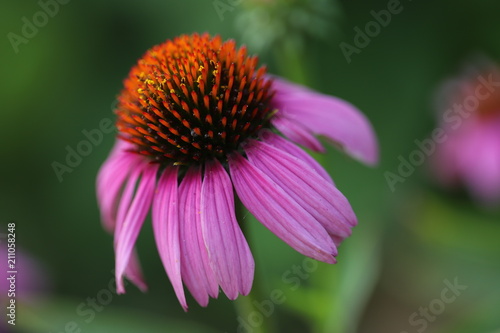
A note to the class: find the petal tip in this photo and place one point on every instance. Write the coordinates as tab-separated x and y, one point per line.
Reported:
120	289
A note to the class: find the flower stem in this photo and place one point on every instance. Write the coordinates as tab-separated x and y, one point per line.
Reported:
291	62
293	65
250	317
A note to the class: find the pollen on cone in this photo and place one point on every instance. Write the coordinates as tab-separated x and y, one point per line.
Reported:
186	100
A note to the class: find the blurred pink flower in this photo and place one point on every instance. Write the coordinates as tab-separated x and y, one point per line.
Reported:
195	120
30	279
470	155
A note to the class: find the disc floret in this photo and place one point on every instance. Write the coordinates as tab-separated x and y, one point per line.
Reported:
192	99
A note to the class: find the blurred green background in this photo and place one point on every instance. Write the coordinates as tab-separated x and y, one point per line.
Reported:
65	78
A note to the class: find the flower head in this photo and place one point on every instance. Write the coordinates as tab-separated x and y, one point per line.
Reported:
193	99
470	155
198	118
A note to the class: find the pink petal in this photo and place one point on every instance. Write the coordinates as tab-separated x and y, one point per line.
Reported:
128	229
196	271
480	157
166	229
133	272
296	132
325	115
228	251
312	192
111	177
288	147
279	212
126	198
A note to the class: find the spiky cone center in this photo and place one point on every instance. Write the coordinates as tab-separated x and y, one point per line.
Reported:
193	98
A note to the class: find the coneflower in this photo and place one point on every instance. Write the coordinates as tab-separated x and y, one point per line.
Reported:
197	118
470	152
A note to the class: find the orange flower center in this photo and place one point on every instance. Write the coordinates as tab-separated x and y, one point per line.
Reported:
192	99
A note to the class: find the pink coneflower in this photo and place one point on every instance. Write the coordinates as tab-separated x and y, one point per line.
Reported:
196	118
470	155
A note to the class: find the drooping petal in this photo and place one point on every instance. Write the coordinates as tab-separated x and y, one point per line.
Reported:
279	212
133	272
116	171
165	214
110	180
109	192
195	269
329	116
297	133
126	199
228	251
128	229
133	269
288	147
313	193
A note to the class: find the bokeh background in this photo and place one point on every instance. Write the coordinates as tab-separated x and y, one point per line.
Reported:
65	78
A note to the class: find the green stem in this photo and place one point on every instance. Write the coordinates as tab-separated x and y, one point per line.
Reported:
291	63
245	305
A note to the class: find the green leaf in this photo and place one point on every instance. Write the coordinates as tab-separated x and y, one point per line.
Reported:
335	298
